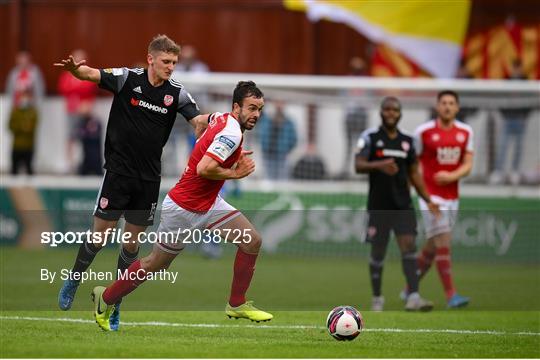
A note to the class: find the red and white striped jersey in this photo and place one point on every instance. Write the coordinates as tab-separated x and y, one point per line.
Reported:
222	141
441	149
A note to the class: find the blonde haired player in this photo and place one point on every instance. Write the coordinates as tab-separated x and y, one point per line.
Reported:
142	114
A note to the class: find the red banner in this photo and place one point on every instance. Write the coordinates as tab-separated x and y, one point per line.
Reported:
487	55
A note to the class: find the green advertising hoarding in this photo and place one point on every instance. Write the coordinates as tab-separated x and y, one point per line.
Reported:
327	224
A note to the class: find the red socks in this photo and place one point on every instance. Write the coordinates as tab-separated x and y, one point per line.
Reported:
444	266
244	266
120	288
424	261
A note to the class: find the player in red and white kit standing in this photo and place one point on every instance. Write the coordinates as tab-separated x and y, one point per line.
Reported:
445	149
194	204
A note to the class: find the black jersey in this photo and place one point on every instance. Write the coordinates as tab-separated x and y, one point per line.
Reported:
388	192
140	121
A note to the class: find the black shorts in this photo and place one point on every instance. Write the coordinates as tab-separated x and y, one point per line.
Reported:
134	198
381	222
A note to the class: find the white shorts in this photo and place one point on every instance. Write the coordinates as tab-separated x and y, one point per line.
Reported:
445	223
179	226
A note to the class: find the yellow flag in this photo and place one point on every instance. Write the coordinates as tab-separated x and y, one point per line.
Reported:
430	33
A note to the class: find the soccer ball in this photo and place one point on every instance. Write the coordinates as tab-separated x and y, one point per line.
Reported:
344	323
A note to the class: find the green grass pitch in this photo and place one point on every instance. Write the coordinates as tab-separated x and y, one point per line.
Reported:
186	319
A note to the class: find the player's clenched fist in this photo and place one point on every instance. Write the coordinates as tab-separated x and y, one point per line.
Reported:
245	165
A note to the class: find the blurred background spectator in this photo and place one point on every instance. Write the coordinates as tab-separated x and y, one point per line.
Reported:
356	116
514	123
310	166
189	62
75	92
90	132
277	137
465	111
25	79
22	125
25	89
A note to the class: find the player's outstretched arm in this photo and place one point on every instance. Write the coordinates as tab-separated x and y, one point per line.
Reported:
79	69
209	168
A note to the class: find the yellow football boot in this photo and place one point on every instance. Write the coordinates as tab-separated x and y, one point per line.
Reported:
102	311
247	311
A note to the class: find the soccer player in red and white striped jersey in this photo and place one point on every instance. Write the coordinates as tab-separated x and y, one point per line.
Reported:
194	204
445	150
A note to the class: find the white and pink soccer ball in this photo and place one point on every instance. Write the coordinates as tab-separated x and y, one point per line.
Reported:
344	323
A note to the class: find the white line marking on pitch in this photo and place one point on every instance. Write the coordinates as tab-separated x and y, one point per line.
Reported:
281	327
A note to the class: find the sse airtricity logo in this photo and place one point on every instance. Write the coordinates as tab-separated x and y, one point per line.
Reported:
149	106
